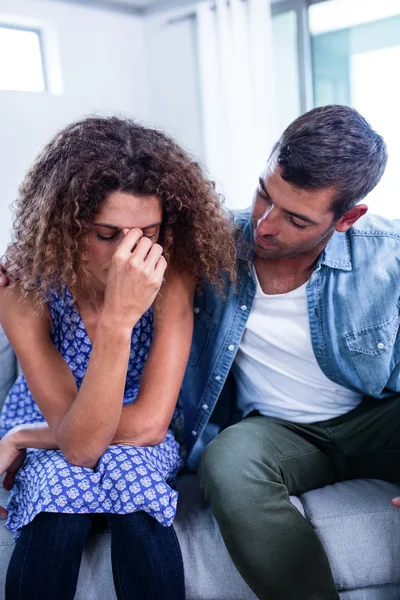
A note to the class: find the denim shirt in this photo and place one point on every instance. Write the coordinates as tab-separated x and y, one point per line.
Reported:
353	307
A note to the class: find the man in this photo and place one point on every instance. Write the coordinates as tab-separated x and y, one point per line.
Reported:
309	338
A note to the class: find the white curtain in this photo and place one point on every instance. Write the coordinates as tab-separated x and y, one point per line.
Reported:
238	93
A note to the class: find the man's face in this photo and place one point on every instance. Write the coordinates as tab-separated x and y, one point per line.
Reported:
287	221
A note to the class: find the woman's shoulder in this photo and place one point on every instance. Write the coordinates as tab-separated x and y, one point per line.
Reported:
21	320
16	305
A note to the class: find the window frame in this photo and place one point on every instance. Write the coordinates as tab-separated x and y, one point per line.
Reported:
303	46
38	31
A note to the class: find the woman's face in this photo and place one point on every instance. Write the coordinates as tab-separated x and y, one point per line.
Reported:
120	210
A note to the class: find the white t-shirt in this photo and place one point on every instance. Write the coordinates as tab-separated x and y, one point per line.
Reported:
275	368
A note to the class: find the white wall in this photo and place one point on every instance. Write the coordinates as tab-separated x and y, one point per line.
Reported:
102	58
173	78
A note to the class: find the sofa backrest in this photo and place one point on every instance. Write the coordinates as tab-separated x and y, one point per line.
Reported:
8	367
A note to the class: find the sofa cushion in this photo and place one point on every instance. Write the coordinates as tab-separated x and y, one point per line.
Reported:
375	592
6	544
360	531
354	519
8	367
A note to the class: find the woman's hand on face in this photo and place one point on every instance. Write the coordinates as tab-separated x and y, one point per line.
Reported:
11	459
134	278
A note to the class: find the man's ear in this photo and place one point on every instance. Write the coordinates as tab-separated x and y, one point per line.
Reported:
350	217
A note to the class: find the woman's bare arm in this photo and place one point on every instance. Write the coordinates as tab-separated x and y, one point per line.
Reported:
83	423
149	416
145	422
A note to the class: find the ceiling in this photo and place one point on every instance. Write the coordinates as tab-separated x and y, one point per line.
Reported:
136	7
133	4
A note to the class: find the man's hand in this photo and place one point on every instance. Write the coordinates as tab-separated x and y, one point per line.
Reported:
11	459
396	502
3	277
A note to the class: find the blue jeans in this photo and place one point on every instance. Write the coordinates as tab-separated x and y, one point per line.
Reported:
146	558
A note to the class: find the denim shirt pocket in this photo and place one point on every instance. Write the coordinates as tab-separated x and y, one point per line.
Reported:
372	350
203	324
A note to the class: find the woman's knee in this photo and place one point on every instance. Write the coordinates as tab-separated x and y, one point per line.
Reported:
138	525
142	535
55	532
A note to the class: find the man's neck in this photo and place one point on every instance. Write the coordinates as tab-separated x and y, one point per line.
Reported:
284	275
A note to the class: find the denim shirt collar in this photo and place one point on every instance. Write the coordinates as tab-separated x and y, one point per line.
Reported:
336	254
245	247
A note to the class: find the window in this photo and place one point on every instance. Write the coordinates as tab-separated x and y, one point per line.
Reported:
356	61
21	60
287	85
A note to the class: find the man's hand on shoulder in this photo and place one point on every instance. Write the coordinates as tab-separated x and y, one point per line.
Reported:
3	277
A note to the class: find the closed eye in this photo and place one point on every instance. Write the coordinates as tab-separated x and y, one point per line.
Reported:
262	194
151	234
108	238
293	222
264	197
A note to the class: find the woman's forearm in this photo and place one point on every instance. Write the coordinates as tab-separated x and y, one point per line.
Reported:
33	435
96	419
89	426
146	421
39	436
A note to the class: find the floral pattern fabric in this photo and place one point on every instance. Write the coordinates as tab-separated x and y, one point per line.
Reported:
126	478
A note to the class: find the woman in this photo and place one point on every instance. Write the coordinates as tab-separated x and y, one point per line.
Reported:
111	213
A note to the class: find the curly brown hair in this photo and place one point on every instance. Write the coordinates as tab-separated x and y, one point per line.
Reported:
74	175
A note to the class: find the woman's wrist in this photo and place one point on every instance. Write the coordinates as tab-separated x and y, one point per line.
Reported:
16	437
31	435
113	326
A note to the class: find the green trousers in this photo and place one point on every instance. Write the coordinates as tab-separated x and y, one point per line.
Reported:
250	469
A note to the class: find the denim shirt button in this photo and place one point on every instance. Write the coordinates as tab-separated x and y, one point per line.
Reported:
243	307
194	432
204	406
231	347
196	310
381	346
218	378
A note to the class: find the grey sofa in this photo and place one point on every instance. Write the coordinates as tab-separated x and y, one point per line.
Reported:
355	521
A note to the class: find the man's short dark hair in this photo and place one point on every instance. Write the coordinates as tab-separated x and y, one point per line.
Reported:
332	146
